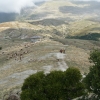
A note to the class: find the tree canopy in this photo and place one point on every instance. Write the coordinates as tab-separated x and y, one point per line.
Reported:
0	48
56	85
92	80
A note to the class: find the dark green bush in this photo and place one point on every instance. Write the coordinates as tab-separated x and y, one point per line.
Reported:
92	80
56	85
90	36
0	48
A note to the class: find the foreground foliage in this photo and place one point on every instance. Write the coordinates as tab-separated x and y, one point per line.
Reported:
56	85
92	80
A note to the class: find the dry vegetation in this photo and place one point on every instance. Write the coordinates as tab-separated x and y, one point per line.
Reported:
83	27
21	57
39	56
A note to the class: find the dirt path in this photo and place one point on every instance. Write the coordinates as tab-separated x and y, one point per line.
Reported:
61	63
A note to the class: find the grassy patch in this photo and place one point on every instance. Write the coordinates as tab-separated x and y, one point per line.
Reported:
90	36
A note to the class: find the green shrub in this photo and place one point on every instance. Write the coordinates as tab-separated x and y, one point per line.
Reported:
92	80
90	36
0	48
56	85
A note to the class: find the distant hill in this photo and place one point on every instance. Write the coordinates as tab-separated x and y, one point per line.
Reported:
48	22
6	17
58	9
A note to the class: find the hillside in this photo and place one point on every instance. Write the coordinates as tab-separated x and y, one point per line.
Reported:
66	10
33	42
22	55
38	56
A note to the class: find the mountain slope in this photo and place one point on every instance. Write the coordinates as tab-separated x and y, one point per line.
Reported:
33	42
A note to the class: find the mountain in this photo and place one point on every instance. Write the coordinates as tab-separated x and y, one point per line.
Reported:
31	41
5	17
59	9
65	9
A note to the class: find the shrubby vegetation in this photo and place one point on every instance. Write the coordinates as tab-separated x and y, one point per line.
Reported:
90	36
66	85
56	85
92	80
0	48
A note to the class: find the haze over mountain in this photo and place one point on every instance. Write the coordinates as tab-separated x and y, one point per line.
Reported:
11	9
75	9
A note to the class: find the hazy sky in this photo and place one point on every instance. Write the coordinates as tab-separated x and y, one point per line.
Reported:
16	5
